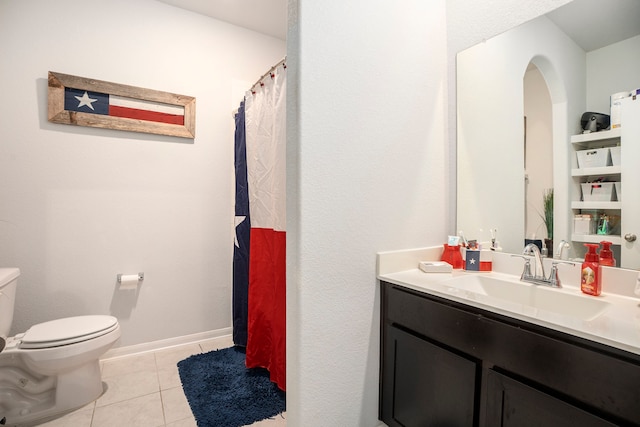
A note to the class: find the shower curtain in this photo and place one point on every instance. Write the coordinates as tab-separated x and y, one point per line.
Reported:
264	111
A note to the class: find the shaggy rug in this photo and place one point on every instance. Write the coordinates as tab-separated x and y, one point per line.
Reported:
222	392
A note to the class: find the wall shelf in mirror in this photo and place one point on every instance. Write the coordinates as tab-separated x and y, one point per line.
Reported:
586	143
606	138
621	171
596	238
596	205
605	170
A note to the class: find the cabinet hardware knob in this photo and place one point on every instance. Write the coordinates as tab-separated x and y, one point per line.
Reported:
630	237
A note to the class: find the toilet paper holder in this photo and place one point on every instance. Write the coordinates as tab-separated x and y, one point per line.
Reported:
140	277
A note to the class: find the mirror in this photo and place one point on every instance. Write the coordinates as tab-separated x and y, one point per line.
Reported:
491	175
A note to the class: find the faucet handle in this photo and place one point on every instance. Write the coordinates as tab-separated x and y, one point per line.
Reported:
554	279
526	271
560	252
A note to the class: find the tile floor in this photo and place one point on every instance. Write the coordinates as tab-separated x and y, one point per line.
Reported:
145	391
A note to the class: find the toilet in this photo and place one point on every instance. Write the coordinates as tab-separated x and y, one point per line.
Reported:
53	367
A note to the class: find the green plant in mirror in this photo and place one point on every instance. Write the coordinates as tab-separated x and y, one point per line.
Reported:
547	205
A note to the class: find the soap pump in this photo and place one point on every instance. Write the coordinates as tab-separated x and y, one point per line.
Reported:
606	255
589	275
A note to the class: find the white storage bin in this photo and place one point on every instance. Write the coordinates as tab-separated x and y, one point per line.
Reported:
618	191
595	158
583	224
615	156
597	191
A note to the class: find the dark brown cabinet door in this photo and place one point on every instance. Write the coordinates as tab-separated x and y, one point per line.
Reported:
511	403
427	385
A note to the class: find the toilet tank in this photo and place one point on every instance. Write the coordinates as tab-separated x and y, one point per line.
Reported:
8	282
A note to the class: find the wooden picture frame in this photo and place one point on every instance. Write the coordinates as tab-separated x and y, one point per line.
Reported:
65	85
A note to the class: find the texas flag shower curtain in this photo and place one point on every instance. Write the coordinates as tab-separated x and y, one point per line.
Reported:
264	111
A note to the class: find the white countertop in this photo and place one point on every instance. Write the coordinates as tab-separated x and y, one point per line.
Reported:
617	326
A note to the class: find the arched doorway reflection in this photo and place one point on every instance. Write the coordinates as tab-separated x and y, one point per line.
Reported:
538	159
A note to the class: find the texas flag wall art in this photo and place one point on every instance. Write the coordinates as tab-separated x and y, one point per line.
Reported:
118	106
95	103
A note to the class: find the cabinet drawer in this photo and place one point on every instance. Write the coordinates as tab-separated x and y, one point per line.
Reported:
444	323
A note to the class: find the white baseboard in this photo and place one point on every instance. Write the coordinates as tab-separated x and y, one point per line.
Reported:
166	343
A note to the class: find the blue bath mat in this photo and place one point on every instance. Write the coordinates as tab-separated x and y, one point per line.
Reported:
222	392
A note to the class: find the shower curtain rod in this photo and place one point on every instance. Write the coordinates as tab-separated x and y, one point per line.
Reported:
282	62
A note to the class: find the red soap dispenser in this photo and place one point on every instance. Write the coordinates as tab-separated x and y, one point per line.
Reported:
589	275
606	256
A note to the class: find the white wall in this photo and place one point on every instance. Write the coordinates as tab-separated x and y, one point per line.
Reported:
370	161
79	205
611	69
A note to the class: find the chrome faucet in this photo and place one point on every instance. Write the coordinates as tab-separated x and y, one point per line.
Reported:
563	250
532	250
538	277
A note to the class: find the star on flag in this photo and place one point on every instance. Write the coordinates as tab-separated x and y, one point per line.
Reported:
85	100
238	220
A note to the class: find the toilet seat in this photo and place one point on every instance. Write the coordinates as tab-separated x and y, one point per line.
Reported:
66	331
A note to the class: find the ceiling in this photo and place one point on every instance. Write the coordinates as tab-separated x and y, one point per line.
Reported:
264	16
591	23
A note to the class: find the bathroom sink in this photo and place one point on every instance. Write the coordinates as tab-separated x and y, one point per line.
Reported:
504	289
527	297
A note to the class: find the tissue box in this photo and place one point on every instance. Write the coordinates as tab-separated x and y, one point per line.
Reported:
597	191
595	158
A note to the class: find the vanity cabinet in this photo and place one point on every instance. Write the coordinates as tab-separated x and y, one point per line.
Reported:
627	173
446	363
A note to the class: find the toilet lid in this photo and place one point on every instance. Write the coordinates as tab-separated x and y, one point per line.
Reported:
67	331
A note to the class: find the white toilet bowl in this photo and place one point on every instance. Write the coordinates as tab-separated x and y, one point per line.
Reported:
53	367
